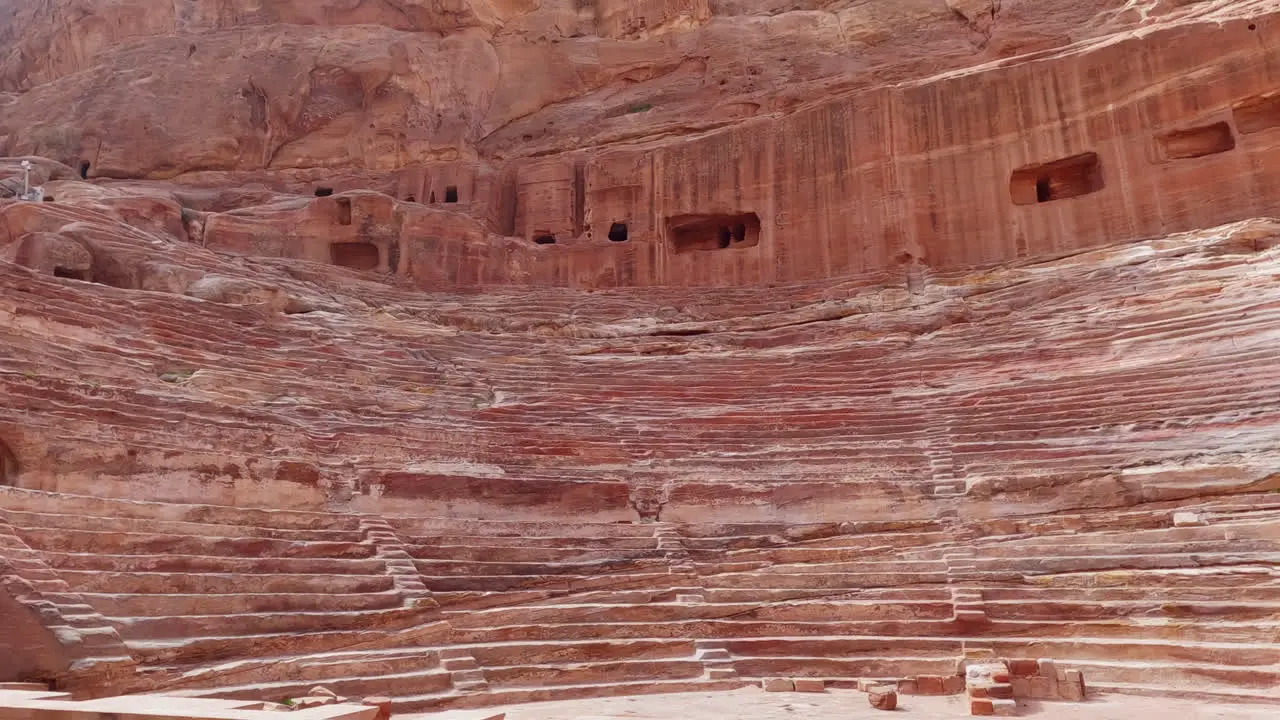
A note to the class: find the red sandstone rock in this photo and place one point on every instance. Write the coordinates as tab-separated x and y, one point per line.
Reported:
930	685
1023	668
778	685
382	703
421	104
883	697
1072	686
860	402
1004	708
811	685
305	84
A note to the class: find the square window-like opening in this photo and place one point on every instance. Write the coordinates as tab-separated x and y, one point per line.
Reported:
1258	113
691	233
618	232
344	211
451	194
545	239
324	191
1058	180
1197	142
355	255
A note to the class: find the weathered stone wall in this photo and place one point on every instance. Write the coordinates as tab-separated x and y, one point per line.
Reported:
935	173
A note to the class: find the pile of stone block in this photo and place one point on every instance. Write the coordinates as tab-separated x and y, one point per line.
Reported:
990	689
1042	680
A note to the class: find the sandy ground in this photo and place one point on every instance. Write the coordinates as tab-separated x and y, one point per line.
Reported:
755	704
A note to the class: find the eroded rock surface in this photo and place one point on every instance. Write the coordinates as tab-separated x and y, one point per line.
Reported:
464	353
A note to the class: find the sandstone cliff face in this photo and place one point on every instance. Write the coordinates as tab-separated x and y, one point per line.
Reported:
678	142
160	88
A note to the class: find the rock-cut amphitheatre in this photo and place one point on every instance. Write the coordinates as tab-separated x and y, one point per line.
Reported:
476	353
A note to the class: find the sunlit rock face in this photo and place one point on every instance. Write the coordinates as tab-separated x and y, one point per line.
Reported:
478	353
671	143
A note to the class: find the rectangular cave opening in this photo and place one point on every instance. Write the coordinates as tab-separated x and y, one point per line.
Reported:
1197	142
355	255
451	194
544	239
344	211
8	465
692	233
71	273
618	232
324	191
1058	180
1258	113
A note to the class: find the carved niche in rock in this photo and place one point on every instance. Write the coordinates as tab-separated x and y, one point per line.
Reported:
8	465
689	233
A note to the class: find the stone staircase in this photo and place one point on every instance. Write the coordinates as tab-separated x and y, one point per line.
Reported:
91	645
399	563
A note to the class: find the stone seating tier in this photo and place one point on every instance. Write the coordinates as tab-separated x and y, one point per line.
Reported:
214	608
931	396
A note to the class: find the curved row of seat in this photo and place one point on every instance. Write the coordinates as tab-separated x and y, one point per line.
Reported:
1069	371
219	601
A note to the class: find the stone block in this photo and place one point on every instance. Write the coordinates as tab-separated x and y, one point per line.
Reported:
952	684
778	685
1041	688
689	599
865	684
1188	519
1000	691
724	673
883	697
907	686
1021	686
929	685
1004	708
1048	668
382	703
313	701
1024	668
981	706
1071	687
813	685
714	654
